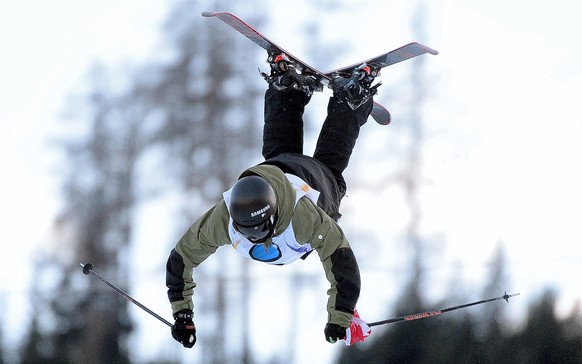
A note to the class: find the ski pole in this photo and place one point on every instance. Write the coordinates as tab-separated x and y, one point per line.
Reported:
88	269
417	316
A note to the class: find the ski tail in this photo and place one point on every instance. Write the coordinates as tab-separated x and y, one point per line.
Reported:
380	114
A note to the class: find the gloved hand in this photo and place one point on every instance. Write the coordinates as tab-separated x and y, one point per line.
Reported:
357	332
183	330
334	332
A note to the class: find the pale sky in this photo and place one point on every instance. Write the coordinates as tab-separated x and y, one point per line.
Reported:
503	123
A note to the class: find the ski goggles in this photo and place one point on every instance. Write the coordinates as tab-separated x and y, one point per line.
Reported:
257	234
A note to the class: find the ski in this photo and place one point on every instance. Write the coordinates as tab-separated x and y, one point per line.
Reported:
380	114
263	42
398	55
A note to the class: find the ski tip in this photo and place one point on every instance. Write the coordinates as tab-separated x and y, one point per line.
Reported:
431	51
208	14
428	50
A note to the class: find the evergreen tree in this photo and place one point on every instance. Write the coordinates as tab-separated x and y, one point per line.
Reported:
491	328
98	191
208	115
546	338
210	132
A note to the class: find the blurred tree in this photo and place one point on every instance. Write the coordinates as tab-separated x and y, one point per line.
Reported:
545	338
96	223
203	112
211	116
404	339
422	341
464	337
490	326
3	308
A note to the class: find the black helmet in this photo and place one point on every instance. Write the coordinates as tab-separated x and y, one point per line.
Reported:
252	207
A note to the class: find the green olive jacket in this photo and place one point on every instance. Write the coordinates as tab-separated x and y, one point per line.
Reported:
311	225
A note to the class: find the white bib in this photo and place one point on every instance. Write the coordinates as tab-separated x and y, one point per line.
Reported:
284	248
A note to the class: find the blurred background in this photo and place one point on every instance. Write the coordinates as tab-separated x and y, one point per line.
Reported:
122	122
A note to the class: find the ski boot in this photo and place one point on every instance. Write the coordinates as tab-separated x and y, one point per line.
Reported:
285	76
356	89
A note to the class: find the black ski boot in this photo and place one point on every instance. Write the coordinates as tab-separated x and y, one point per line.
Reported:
285	76
356	89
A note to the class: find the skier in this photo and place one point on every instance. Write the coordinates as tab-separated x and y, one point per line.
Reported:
287	206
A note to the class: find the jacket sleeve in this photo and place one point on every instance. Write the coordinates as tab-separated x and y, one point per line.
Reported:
200	241
339	262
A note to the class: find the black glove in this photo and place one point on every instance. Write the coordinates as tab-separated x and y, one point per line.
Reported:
183	330
334	332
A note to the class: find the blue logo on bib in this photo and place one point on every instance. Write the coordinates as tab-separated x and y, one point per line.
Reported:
262	254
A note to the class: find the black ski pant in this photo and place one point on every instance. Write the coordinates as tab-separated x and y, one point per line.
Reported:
283	143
